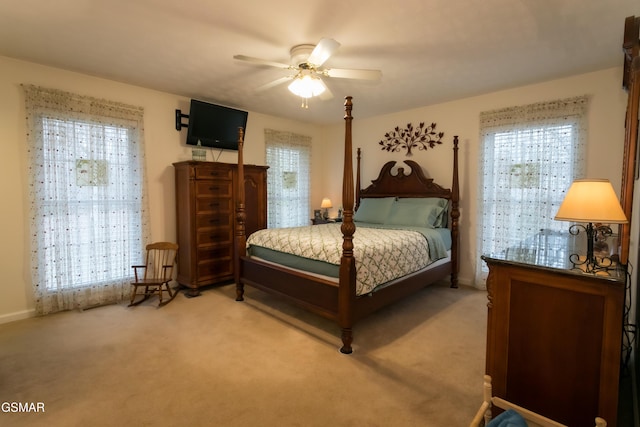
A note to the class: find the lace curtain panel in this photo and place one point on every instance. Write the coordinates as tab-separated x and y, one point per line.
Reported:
530	156
288	178
89	221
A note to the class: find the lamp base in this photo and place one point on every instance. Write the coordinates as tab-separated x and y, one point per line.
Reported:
591	263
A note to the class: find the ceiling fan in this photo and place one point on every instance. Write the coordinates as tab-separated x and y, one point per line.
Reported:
307	70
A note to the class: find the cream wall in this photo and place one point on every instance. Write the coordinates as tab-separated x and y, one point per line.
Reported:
604	154
164	145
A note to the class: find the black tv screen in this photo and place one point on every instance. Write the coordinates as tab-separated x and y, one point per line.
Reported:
214	125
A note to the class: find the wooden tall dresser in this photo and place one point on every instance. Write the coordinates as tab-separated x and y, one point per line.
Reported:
205	215
554	334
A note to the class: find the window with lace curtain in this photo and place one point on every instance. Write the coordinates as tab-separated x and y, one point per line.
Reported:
88	217
288	178
530	155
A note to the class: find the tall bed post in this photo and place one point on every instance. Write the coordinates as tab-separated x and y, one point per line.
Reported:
455	214
358	157
347	280
240	241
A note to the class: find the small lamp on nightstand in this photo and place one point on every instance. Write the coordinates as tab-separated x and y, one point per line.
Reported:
591	201
326	205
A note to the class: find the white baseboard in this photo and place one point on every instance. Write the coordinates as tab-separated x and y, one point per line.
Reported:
19	315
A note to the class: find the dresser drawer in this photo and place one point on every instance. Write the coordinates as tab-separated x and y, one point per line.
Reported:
213	254
213	205
218	269
214	189
217	236
214	173
221	219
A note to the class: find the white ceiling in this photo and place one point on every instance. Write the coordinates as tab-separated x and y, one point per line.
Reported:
429	51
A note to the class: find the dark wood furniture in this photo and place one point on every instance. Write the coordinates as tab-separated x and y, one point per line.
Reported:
630	172
631	83
339	301
316	221
206	196
554	334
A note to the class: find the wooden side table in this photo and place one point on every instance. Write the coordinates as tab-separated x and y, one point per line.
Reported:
554	333
316	221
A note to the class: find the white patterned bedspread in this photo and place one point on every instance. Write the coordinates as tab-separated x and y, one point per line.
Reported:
381	254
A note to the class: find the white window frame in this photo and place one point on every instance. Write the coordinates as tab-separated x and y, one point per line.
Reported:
530	155
288	156
89	218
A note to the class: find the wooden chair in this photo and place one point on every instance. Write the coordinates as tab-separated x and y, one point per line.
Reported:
483	416
158	272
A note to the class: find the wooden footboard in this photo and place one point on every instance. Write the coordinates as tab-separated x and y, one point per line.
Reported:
312	293
320	296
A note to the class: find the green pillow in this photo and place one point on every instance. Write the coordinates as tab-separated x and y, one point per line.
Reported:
441	220
374	210
426	201
419	212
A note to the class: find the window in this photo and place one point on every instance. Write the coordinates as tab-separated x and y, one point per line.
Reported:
530	157
88	205
288	178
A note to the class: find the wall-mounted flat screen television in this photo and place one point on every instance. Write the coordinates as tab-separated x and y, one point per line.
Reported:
214	125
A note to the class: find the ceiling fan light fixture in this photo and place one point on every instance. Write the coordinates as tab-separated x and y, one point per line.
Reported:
307	61
307	86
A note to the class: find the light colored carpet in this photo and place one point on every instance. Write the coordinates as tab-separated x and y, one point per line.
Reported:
212	361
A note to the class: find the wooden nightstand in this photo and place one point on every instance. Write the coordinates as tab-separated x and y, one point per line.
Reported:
315	221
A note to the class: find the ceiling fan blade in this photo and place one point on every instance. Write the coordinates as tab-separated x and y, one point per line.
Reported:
263	62
275	83
353	74
323	50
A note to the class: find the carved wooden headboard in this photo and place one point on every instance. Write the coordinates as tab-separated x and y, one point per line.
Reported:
401	184
414	184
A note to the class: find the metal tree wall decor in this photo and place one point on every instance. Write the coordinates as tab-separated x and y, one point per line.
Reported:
422	137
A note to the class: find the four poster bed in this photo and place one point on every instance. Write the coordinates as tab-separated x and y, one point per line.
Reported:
330	287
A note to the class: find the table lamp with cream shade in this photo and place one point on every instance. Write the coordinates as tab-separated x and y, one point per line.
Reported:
591	201
326	205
